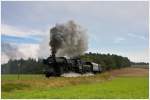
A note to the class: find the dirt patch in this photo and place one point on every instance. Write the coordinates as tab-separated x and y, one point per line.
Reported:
130	72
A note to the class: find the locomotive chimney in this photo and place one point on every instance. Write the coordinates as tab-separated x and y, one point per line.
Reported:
53	52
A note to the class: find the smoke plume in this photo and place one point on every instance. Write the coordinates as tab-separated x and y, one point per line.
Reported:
68	39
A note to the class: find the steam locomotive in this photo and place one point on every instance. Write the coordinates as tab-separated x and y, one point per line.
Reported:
56	66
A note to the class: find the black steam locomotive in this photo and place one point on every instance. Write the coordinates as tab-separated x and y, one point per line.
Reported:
56	66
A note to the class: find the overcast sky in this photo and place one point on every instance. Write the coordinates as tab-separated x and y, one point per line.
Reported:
112	27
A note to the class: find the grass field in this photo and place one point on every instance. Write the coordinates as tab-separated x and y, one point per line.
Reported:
124	83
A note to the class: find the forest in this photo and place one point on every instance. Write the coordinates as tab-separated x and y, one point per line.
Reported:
32	66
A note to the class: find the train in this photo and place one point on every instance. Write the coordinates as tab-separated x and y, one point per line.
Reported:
56	66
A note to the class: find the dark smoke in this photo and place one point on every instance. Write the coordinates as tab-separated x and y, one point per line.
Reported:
68	39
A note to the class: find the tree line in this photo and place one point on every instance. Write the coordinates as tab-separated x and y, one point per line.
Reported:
31	66
21	66
139	63
107	61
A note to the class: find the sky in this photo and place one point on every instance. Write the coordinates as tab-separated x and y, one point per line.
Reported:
112	27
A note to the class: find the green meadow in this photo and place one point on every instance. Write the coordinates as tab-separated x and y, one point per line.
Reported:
104	85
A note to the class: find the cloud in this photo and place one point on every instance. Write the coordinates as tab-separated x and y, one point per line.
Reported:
16	39
15	31
18	43
15	51
136	36
119	39
25	51
29	50
24	46
44	48
10	50
4	58
139	56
